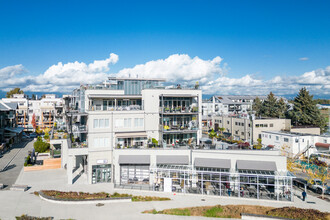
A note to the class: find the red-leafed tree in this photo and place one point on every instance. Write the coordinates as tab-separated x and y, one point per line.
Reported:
33	122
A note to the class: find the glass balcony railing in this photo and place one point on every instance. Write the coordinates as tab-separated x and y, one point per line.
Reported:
116	108
179	109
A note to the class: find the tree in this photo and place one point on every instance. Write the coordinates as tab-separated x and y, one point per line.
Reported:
282	108
305	112
14	91
212	135
41	146
257	106
33	122
270	108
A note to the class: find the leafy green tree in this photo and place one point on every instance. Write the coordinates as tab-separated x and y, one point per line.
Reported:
14	91
305	112
257	106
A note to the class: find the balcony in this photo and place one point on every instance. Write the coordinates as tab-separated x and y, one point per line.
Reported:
179	129
116	108
79	128
178	110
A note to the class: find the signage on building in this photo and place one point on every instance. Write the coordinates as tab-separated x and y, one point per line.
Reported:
101	161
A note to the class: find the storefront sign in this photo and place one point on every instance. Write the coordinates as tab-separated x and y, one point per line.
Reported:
101	161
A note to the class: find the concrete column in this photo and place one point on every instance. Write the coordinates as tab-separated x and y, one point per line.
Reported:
69	169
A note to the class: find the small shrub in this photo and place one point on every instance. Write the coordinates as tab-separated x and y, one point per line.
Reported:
41	146
214	211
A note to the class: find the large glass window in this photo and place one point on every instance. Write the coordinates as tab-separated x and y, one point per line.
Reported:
134	174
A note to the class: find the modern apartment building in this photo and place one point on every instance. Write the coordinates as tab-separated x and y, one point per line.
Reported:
130	113
47	110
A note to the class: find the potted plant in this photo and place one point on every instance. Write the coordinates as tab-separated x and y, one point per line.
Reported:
167	109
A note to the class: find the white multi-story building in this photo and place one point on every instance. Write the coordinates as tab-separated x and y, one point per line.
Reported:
296	144
135	133
47	110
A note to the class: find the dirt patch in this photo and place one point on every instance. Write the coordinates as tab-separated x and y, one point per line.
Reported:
234	211
75	196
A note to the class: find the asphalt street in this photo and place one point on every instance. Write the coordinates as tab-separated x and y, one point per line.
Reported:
12	163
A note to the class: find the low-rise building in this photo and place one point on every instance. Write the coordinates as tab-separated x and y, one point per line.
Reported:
247	129
295	144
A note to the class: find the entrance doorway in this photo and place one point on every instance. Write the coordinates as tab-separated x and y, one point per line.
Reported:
101	173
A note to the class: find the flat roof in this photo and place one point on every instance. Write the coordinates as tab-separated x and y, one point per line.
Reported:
140	79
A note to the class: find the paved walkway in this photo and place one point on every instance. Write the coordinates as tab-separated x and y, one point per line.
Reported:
14	203
12	162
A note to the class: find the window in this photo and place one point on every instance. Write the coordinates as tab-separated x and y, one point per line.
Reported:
242	124
236	132
138	122
119	123
101	123
265	125
249	125
277	138
101	142
127	122
271	125
242	133
297	140
96	123
257	125
235	123
227	122
325	141
286	139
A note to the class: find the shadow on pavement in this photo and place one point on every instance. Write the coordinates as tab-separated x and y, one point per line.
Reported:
9	167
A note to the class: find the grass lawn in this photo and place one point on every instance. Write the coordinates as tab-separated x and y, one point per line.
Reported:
101	195
234	211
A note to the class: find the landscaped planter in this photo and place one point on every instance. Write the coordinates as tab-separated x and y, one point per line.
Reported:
84	201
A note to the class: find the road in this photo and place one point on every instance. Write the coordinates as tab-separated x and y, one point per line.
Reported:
12	163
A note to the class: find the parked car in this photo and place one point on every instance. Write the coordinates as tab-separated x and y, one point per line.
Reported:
33	135
317	186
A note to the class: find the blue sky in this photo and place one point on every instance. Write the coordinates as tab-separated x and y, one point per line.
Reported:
263	40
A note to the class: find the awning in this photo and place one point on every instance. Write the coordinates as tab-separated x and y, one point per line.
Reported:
212	163
256	165
131	134
175	160
134	159
324	145
15	130
272	146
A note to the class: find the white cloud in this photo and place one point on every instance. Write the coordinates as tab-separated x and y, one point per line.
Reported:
60	77
303	58
176	68
212	76
11	71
